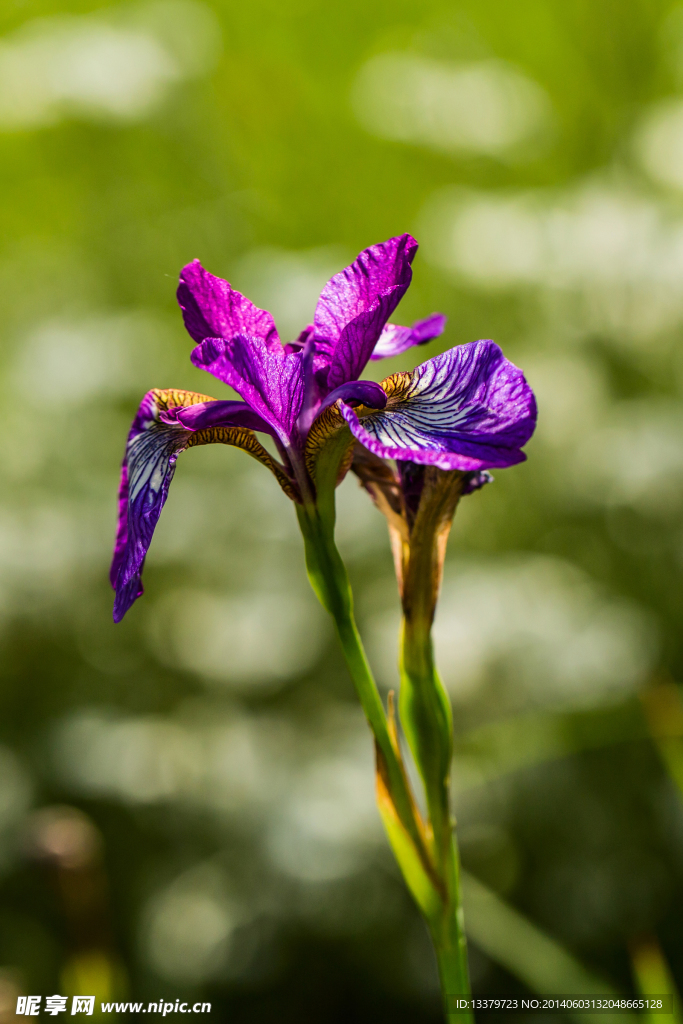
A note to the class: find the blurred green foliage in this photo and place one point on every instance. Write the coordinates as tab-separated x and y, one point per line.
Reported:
535	150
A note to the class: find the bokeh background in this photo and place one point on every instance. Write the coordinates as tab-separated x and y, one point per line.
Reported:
186	800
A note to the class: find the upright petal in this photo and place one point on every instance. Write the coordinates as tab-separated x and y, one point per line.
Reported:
394	339
467	409
268	379
213	309
355	305
148	467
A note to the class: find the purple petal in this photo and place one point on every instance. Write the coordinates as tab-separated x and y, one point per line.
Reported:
394	339
268	379
148	469
467	409
215	414
121	527
156	439
355	305
366	392
213	309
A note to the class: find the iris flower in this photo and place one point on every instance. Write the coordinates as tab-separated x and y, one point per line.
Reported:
418	441
468	409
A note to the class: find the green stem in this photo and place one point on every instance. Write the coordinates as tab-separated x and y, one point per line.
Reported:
329	580
448	936
427	718
422	705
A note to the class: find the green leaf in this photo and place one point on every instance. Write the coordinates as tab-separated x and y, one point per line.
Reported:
418	879
522	948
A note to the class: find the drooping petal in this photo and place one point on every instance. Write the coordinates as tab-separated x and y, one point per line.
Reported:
467	409
394	339
121	526
149	464
355	305
213	309
269	380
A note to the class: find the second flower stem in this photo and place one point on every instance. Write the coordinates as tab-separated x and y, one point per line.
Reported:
424	702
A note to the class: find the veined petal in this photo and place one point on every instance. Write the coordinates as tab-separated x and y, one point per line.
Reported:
394	339
355	305
151	449
213	309
467	409
148	467
269	380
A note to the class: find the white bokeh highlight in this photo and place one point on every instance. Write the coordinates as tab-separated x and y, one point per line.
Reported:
246	640
187	927
658	143
483	107
114	66
616	249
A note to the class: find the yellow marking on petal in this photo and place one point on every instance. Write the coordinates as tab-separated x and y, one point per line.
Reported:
395	388
238	437
241	437
168	398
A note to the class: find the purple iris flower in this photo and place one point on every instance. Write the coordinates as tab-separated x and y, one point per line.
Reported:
467	409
